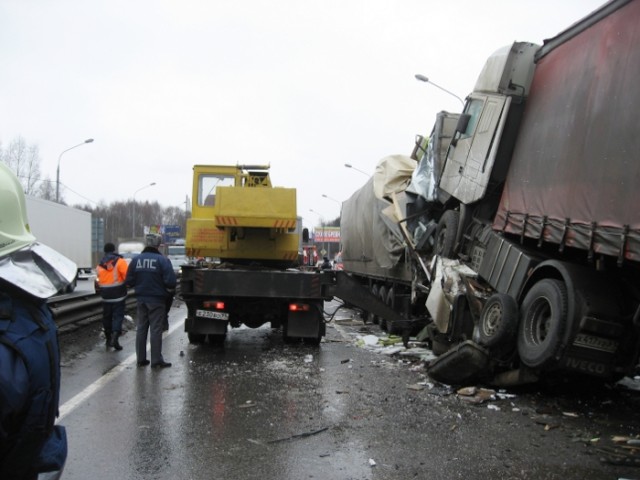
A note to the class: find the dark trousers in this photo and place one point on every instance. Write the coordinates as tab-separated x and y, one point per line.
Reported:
150	319
112	316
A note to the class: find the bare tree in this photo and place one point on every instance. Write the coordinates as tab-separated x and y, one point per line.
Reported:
47	189
118	217
24	160
175	216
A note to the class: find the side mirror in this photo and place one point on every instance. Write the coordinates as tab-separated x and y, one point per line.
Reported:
463	123
305	235
461	127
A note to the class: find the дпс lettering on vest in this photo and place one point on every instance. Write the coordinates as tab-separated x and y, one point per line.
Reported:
147	264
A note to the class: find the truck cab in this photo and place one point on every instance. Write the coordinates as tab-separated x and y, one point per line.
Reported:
480	151
239	217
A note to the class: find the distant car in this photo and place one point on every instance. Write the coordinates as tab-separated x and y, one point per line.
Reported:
130	249
177	256
337	262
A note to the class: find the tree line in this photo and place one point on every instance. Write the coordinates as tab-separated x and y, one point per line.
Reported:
118	217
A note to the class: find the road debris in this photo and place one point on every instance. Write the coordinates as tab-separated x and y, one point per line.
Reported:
299	435
476	395
417	387
630	383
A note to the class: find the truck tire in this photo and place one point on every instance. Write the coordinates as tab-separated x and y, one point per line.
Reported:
313	341
498	321
543	322
382	295
217	339
391	302
371	317
446	234
196	338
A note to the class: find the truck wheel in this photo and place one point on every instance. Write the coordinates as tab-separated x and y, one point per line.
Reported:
217	340
391	302
498	321
371	317
196	338
382	295
446	234
543	322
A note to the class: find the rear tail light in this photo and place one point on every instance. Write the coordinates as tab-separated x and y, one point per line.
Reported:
215	305
299	307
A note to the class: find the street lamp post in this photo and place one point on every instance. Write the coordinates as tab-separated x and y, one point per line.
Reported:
333	199
340	213
133	209
422	78
88	140
324	251
348	165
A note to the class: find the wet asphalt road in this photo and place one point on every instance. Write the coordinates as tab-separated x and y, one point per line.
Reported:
262	409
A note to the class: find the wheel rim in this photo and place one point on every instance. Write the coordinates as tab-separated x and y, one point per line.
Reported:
539	321
492	320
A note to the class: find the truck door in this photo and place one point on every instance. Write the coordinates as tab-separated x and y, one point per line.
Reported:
470	161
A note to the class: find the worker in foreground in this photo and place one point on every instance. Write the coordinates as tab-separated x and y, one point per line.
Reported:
30	442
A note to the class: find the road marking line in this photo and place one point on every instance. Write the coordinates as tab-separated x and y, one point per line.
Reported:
81	397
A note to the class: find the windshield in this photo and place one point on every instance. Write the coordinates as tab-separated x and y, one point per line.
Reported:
208	185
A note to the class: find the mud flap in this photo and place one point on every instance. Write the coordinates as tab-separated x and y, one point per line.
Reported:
205	326
305	324
464	363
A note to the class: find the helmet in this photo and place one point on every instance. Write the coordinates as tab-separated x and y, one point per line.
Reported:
14	229
153	240
24	263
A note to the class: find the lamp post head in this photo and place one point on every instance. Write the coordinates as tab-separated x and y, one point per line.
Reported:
348	165
422	78
88	140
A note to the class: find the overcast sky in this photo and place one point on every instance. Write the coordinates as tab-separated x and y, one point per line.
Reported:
305	86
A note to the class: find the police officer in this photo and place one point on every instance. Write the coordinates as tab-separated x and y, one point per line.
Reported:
111	274
152	276
30	443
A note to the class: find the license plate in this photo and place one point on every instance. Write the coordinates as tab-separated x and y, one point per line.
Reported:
595	343
212	314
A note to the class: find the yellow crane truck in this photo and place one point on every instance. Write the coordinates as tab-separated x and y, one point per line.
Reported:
243	240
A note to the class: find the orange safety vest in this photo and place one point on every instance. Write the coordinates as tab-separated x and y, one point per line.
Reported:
110	279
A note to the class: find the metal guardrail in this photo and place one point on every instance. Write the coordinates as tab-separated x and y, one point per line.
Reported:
73	308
